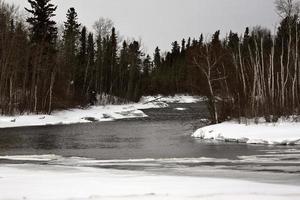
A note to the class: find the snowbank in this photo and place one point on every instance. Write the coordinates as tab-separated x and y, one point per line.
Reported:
46	182
283	132
173	99
95	113
92	114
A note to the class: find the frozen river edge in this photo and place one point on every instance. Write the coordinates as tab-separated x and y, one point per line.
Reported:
95	113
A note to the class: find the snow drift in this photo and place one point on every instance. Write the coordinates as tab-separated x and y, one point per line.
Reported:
284	132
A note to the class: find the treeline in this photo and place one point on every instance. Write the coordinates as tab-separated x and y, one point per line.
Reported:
253	75
42	68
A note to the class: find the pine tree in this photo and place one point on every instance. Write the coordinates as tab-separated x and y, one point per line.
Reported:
147	65
70	39
201	39
83	45
124	71
183	45
175	48
43	28
43	63
71	32
188	45
157	57
133	91
99	64
113	64
90	69
81	67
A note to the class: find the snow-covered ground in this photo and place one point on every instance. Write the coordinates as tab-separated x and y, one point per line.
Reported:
95	113
74	181
283	132
173	99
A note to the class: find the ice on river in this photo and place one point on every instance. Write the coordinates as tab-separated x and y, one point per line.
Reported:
59	182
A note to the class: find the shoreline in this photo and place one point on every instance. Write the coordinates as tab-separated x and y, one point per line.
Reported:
95	113
284	132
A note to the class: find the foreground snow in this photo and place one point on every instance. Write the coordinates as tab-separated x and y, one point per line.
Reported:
283	132
53	182
95	113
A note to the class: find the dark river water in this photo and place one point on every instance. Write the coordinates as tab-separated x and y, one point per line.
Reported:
166	134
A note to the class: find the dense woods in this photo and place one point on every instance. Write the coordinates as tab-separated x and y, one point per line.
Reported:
44	68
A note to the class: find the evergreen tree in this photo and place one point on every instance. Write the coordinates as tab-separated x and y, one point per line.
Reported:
147	65
133	91
201	39
91	49
175	48
71	31
90	70
82	64
43	28
70	40
183	46
188	45
233	41
124	71
99	64
157	58
83	45
113	62
42	63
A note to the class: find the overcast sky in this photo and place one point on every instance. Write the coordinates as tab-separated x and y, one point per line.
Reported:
159	22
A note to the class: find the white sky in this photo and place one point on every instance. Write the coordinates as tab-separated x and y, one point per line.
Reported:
160	22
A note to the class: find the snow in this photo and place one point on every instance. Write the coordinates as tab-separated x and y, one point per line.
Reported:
92	114
173	99
59	182
181	109
284	132
95	113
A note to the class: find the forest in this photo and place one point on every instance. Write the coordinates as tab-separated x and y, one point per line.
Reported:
44	67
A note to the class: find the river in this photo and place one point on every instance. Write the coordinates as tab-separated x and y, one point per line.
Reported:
160	144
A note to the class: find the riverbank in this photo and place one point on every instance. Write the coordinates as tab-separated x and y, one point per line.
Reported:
283	132
95	113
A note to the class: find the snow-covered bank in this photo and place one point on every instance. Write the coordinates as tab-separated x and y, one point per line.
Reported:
282	132
48	182
73	116
173	99
95	113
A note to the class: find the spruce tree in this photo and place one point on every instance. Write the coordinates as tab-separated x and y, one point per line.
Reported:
82	63
157	57
71	31
90	67
188	45
42	63
146	75
99	64
91	49
133	91
183	45
70	40
124	71
43	28
113	64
